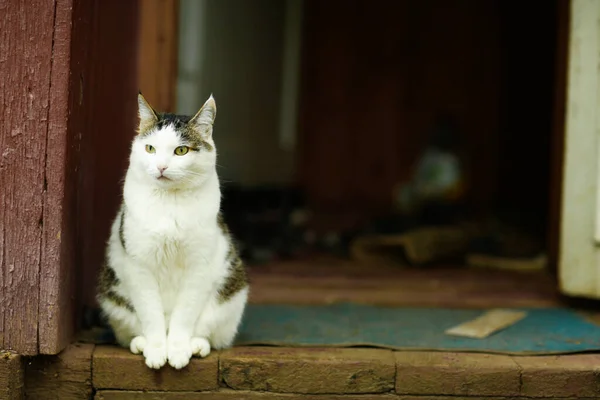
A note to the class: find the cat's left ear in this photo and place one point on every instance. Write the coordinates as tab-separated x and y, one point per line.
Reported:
204	119
146	114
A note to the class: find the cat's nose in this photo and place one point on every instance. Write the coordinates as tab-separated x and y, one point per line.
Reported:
162	168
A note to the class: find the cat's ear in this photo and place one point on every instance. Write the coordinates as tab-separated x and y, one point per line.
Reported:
147	115
204	119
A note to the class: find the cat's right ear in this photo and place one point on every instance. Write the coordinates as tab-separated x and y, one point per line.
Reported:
205	118
147	115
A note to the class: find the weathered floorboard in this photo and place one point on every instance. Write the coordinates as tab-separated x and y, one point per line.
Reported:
65	376
11	376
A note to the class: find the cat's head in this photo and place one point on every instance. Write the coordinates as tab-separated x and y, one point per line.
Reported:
174	151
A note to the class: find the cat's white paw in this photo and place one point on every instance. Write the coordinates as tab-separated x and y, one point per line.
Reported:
155	353
137	345
200	347
180	353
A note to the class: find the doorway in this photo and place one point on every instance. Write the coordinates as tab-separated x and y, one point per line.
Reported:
374	84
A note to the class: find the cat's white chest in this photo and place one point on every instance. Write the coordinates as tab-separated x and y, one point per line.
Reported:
170	244
172	236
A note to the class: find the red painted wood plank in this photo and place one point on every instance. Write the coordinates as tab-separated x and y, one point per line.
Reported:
82	147
2	243
57	285
26	29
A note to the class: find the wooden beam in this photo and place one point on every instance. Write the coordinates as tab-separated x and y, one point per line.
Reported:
158	52
56	309
26	39
59	83
89	36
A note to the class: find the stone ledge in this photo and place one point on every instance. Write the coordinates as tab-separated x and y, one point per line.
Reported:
308	370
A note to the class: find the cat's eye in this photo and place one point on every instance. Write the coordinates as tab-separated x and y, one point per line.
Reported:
182	150
150	149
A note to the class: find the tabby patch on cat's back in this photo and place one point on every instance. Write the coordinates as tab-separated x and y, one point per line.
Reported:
173	284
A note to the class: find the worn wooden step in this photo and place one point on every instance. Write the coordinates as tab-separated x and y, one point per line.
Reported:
236	395
111	373
290	373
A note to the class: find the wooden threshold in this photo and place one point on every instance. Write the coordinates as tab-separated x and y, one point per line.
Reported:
327	280
111	373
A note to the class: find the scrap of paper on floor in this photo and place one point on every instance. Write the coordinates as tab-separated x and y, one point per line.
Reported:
487	323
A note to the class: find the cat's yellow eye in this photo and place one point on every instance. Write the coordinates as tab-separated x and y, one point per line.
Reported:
150	149
182	150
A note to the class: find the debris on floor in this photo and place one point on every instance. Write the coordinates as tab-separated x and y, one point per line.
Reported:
419	246
487	324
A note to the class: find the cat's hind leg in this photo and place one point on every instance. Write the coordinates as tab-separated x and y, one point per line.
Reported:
124	323
218	324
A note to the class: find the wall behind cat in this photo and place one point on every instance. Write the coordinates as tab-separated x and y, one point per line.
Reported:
234	50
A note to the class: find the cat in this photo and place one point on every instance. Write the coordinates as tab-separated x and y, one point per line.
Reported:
173	284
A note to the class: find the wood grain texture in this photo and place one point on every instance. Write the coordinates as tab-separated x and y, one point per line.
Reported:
65	376
158	52
226	394
118	368
308	370
57	284
26	33
456	374
12	376
58	58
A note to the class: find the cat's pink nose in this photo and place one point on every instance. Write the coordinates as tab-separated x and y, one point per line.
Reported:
162	168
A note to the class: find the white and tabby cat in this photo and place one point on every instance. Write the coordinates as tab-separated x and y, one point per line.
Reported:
173	284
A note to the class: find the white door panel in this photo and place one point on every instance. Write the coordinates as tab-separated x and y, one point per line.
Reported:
579	262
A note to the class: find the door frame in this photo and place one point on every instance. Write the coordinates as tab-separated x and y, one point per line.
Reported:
579	251
158	52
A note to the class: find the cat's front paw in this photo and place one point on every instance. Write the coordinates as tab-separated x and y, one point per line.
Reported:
179	352
155	353
200	347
